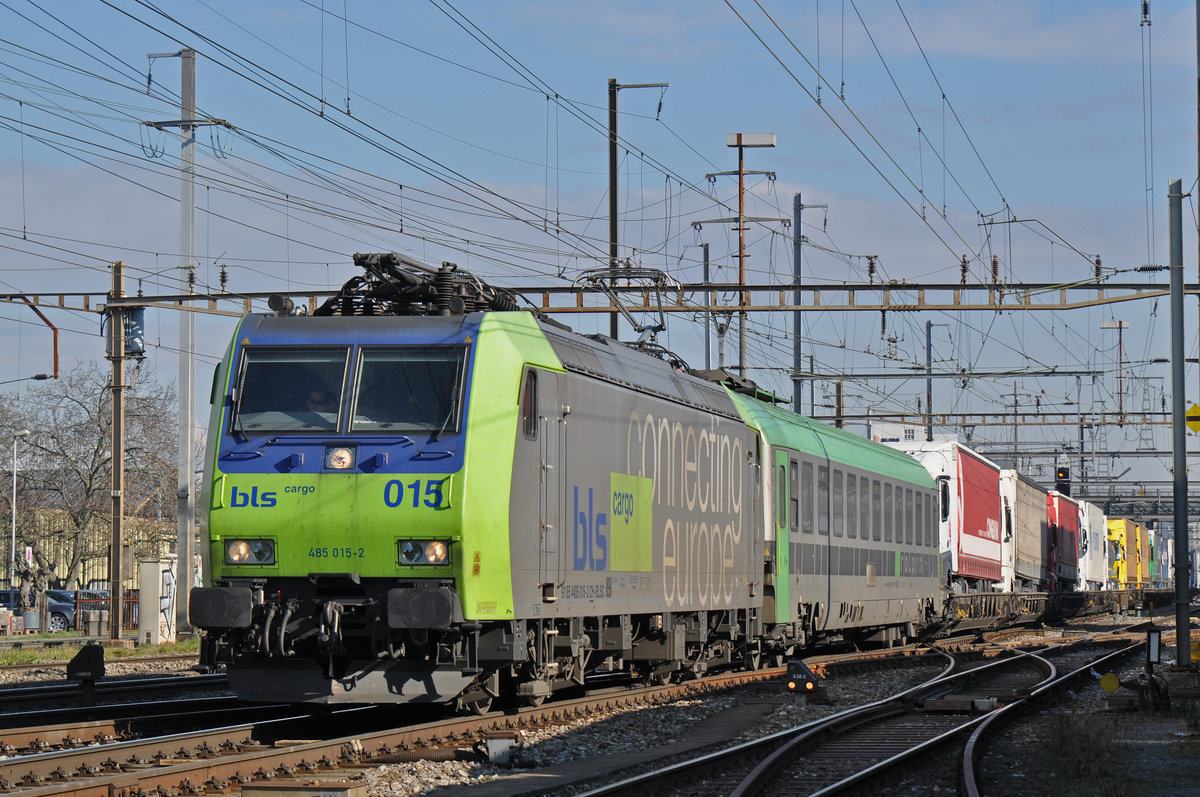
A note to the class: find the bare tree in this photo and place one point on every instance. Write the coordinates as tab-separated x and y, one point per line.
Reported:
64	488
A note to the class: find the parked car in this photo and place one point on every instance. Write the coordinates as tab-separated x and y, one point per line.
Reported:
60	604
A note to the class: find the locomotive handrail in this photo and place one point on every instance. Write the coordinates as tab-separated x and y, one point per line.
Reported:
433	454
242	454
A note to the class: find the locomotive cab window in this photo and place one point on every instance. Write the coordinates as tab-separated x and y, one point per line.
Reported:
288	389
529	406
409	389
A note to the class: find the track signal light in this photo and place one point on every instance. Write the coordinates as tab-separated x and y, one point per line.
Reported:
800	679
1062	479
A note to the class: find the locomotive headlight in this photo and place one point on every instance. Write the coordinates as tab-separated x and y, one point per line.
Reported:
411	552
423	552
249	552
436	552
339	458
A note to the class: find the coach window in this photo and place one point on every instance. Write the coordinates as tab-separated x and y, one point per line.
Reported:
794	496
932	529
919	525
839	505
909	517
807	496
876	509
864	509
889	513
529	406
823	500
851	506
781	517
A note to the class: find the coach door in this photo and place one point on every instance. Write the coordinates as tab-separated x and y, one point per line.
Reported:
551	437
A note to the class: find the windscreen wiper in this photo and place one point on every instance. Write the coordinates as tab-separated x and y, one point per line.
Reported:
446	421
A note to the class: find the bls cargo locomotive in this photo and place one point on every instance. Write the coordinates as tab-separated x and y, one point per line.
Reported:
420	492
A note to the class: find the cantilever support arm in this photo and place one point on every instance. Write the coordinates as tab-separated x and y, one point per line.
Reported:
53	329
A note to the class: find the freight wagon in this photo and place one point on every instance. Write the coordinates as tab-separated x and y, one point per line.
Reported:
1062	552
1129	554
1093	548
969	513
1024	567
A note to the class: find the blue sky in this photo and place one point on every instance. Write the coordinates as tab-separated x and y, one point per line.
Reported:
475	134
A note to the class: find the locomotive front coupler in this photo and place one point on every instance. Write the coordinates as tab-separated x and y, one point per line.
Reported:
329	638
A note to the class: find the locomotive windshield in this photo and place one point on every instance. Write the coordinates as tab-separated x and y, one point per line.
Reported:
289	389
409	388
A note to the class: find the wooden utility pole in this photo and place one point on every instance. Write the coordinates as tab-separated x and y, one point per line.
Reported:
741	141
116	353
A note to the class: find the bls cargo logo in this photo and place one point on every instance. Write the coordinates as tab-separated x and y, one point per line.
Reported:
256	499
253	498
591	541
618	533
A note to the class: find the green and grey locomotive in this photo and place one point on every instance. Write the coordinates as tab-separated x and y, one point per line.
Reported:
421	493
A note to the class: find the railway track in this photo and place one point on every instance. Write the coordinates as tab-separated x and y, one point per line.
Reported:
972	779
223	759
17	699
846	750
246	754
64	729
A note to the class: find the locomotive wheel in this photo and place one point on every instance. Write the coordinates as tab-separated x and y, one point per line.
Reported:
533	701
660	678
480	707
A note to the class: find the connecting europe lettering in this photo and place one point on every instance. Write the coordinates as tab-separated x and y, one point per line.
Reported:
690	477
696	474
